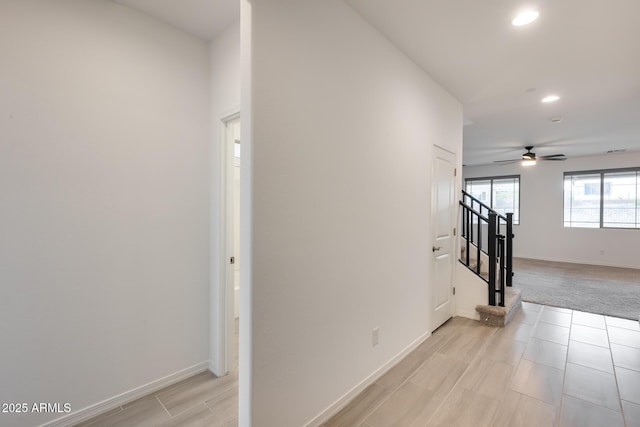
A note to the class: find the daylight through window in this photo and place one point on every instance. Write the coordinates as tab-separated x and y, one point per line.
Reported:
602	199
501	193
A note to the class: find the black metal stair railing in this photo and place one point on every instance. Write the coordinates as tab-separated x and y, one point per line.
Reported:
497	247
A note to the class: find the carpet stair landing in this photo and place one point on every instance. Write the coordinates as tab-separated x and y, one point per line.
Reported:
499	316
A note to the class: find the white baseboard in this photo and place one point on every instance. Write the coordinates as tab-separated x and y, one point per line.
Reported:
336	406
214	368
582	262
473	315
126	397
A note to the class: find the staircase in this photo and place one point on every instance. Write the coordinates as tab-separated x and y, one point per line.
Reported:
487	250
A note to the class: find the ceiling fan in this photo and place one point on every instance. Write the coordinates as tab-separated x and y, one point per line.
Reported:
529	158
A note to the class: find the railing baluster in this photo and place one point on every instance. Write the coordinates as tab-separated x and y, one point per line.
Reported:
478	255
471	227
468	243
509	254
492	257
501	254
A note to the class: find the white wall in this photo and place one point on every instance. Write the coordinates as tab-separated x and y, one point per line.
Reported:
104	203
541	234
341	140
471	291
224	54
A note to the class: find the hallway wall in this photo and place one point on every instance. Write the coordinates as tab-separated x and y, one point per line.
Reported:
342	133
104	211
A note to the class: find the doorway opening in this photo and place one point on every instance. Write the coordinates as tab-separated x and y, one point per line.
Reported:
231	229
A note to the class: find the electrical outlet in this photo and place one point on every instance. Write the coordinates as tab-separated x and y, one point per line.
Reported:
375	337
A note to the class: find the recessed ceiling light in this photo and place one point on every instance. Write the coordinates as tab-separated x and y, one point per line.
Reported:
524	18
550	98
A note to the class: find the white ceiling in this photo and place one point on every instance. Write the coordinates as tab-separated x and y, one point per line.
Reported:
204	19
586	51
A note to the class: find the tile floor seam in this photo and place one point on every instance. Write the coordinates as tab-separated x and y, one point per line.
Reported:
477	355
406	380
392	390
564	377
538	320
593	403
495	414
416	370
214	415
163	407
624	418
615	374
622	345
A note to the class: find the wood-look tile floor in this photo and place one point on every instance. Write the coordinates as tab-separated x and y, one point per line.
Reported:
549	367
202	400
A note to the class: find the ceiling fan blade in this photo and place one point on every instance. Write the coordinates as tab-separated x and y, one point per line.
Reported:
554	158
552	155
506	162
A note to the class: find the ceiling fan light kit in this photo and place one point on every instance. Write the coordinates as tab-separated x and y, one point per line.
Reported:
529	158
550	98
525	17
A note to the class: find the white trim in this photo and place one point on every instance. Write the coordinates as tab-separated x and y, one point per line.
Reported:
230	114
227	289
582	262
126	397
343	401
473	315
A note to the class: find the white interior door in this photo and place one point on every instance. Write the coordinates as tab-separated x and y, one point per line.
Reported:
443	199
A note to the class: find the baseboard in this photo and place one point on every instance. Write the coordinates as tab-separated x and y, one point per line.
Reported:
473	315
580	262
126	397
214	368
336	406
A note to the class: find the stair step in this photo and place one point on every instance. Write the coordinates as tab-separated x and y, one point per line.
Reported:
500	316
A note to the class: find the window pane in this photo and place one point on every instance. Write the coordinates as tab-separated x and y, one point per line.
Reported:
481	190
620	200
582	201
501	194
506	197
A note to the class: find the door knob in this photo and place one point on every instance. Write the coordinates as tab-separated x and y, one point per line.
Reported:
435	249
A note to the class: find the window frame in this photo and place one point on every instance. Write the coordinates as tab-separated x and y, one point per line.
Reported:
601	173
516	221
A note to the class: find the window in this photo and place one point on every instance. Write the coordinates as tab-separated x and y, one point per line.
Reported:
501	193
602	199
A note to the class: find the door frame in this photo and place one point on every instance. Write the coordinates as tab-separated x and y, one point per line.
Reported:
227	288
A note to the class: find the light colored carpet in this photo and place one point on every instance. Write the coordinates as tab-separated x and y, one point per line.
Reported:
604	290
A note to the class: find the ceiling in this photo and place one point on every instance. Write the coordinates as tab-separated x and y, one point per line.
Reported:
204	19
585	51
